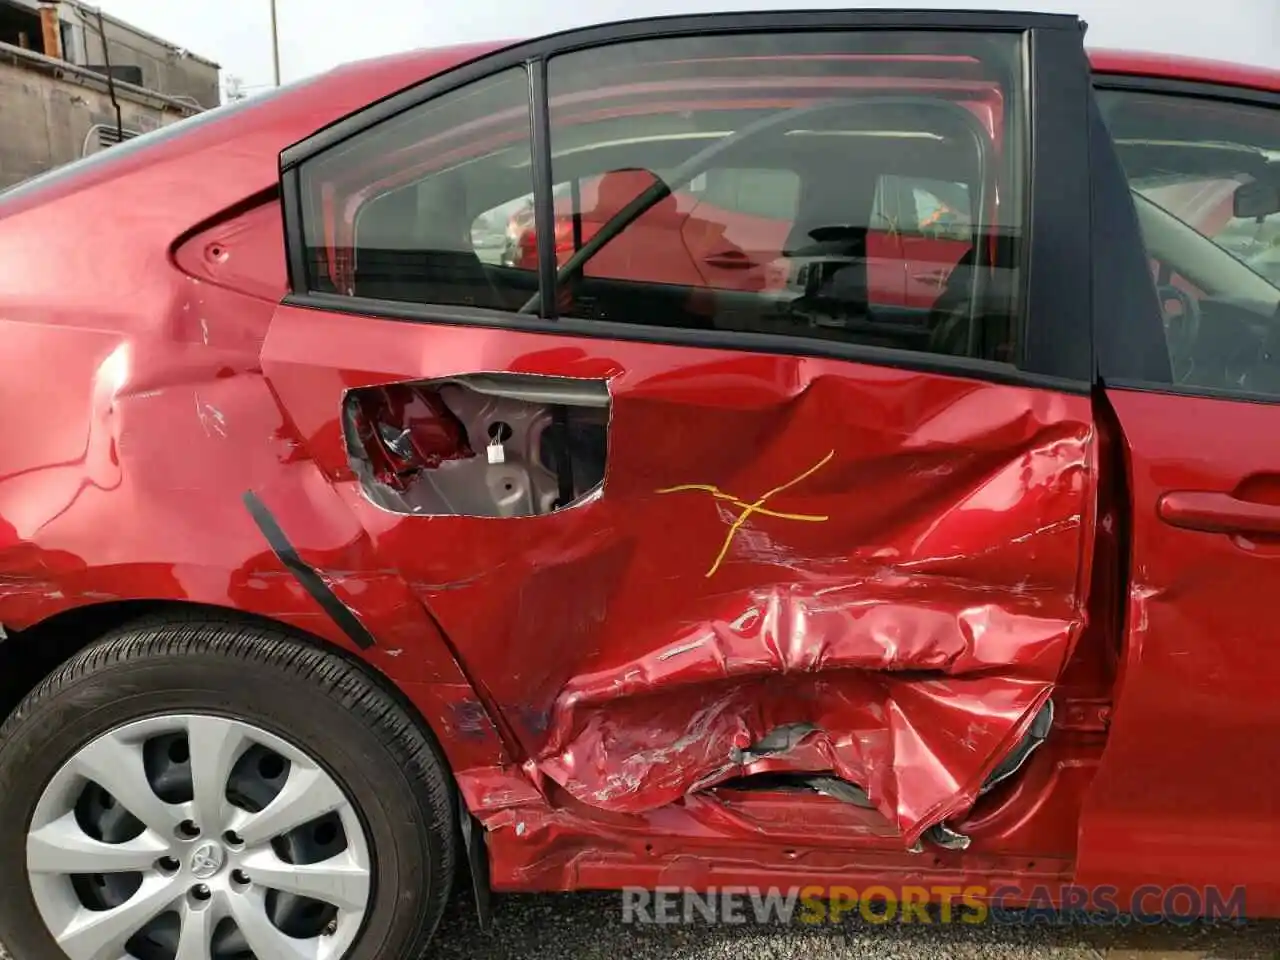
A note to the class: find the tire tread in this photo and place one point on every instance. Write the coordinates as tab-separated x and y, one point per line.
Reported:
343	679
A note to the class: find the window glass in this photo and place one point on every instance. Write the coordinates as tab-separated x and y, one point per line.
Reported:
921	228
767	166
765	192
925	207
419	208
722	191
942	210
1206	180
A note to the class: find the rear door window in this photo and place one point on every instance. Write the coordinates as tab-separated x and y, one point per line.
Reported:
782	223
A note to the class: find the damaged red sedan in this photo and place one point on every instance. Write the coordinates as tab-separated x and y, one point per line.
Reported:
756	449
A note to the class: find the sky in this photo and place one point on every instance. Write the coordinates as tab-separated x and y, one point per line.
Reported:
318	34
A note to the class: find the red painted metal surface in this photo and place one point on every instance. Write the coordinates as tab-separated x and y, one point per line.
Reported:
1169	67
913	588
587	679
1181	796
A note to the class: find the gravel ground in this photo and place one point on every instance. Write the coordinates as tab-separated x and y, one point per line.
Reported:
589	927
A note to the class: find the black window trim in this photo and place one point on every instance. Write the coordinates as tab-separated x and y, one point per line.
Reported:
1200	89
1216	93
1060	354
739	340
543	48
1059	232
544	201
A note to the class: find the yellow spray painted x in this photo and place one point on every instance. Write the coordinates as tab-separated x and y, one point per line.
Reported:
756	507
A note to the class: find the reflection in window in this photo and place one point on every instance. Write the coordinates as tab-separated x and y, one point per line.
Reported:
413	209
1206	180
1189	157
739	183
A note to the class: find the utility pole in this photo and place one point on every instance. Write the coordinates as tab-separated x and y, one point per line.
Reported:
111	77
275	43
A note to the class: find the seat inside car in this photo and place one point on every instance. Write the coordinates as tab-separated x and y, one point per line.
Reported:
413	244
829	233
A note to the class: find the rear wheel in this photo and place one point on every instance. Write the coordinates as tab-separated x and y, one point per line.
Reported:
219	791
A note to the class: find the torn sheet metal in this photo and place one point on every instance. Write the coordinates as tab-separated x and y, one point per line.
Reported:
480	446
892	563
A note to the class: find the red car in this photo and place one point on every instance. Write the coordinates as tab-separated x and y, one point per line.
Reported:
829	496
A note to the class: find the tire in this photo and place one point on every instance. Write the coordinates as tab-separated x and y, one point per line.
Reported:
251	677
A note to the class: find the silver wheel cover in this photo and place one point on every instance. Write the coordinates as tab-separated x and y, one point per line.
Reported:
207	871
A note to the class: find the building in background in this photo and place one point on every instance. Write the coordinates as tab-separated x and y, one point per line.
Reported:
74	81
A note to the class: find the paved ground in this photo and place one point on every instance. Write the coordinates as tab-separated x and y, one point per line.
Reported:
589	927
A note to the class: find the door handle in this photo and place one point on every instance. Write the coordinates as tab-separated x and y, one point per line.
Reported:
730	260
935	277
1217	512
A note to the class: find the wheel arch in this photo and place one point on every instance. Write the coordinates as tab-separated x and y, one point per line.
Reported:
30	655
166	664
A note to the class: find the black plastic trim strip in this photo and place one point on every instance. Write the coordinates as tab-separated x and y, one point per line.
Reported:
295	241
667	27
1187	88
748	342
1180	390
478	861
1056	332
306	575
1128	328
544	203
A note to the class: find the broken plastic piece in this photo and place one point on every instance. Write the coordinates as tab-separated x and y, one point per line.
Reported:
843	790
400	429
1032	739
778	740
827	785
943	836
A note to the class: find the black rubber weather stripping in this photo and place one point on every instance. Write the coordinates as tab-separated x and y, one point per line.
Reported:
544	203
306	575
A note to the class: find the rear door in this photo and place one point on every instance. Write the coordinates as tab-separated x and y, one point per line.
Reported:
1186	791
680	533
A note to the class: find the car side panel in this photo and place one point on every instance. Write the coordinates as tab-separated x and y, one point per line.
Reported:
138	418
1185	794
